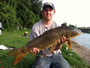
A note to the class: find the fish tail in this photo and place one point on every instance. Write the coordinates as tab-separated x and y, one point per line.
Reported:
18	54
18	58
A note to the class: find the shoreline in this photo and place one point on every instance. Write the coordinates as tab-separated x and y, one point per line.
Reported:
82	51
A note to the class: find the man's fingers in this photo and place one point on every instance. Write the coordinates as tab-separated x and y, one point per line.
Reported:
63	39
38	50
59	41
31	51
35	50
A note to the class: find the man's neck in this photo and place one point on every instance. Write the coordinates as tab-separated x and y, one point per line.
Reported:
47	23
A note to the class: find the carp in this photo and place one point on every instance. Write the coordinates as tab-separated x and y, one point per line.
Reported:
46	40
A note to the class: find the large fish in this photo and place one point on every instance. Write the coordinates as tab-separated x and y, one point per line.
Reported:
46	40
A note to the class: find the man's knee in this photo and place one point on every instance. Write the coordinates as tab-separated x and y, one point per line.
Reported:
57	65
41	66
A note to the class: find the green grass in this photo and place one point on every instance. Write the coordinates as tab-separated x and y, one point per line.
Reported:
17	40
74	60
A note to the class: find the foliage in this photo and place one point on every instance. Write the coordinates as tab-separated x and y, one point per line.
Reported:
74	60
64	24
19	14
71	25
8	16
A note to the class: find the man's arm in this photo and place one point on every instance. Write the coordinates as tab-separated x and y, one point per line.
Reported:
33	35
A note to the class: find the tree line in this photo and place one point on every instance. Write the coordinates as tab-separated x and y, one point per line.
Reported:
19	14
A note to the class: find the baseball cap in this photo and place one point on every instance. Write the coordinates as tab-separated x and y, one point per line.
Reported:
48	4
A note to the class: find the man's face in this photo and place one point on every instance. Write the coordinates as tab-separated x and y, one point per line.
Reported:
48	13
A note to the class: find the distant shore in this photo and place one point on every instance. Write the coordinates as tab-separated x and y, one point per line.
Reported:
82	51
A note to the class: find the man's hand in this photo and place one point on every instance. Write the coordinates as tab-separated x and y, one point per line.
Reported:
62	40
35	50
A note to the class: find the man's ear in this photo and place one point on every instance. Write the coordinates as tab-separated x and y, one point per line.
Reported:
54	11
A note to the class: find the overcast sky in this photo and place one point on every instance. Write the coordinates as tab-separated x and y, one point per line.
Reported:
75	12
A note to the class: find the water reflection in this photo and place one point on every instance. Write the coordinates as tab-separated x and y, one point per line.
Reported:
83	39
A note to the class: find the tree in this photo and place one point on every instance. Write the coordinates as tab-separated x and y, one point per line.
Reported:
64	24
8	16
19	13
29	11
71	25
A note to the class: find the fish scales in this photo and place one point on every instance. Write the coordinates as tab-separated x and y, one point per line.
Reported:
51	37
46	40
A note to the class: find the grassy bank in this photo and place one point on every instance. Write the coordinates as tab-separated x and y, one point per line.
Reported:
17	40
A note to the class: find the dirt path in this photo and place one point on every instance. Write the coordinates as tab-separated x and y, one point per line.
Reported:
81	51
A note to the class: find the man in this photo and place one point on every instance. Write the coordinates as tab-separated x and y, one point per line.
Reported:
45	59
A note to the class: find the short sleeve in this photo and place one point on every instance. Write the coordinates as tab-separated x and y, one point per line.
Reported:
32	35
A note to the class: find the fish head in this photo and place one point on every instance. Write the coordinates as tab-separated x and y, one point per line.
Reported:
73	32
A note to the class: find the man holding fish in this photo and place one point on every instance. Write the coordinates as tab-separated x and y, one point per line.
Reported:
46	59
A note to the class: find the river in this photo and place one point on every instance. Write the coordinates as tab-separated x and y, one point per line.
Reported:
83	39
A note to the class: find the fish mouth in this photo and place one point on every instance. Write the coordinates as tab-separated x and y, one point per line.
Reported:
76	35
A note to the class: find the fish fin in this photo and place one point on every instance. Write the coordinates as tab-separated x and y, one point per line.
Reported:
19	57
68	42
52	48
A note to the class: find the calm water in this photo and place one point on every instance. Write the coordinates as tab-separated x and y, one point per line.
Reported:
83	39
